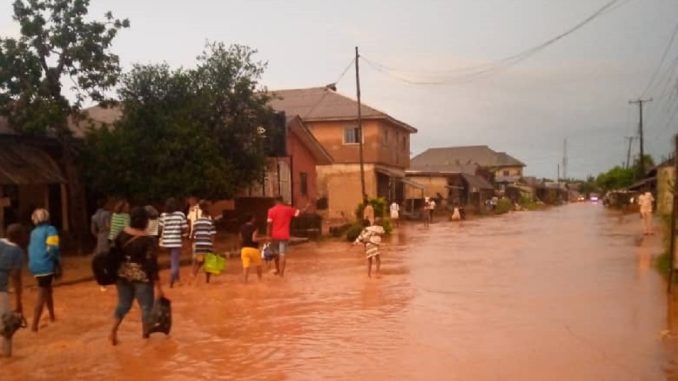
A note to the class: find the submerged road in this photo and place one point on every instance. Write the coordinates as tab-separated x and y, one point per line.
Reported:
564	294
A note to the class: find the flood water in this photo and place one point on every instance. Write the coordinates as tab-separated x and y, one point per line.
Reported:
564	294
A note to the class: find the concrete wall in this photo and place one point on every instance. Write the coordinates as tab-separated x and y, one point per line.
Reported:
302	161
666	176
432	186
383	142
340	183
509	171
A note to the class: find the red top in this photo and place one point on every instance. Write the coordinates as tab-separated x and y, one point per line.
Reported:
280	217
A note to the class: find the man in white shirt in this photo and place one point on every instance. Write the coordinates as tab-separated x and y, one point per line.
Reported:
395	212
646	201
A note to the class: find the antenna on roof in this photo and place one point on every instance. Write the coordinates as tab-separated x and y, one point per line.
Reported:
331	86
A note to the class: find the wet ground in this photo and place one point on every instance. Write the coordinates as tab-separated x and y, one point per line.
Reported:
564	294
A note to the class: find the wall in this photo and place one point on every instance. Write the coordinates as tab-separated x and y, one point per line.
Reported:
432	186
302	161
377	148
665	177
512	171
340	183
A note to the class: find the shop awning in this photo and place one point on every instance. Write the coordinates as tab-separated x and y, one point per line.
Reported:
476	182
411	183
21	164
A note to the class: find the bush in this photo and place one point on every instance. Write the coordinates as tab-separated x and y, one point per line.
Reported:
504	205
354	231
379	205
528	203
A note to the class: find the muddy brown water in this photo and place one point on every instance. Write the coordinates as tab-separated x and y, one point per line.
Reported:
564	294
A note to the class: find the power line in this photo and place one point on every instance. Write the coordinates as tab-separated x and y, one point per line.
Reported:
669	44
478	71
330	86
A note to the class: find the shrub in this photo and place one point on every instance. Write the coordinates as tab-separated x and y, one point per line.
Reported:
528	203
504	205
354	231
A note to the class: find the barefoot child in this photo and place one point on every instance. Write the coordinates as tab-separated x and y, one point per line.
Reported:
249	243
371	238
202	233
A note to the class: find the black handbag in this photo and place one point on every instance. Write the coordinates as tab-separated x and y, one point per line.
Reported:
161	317
105	265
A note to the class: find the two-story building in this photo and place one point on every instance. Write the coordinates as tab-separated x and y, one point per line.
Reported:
502	167
332	120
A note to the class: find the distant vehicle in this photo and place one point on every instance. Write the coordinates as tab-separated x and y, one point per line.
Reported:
581	198
594	197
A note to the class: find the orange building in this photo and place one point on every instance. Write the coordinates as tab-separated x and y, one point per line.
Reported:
332	120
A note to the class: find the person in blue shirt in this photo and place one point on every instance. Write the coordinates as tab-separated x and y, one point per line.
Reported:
43	261
11	259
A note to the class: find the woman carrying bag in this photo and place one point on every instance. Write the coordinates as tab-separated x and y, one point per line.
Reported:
138	276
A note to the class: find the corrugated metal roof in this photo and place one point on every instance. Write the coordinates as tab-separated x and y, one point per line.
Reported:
21	164
478	182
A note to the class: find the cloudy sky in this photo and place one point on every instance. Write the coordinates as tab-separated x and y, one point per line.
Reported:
576	89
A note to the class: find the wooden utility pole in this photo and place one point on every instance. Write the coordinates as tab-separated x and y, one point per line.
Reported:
628	153
672	233
360	124
639	102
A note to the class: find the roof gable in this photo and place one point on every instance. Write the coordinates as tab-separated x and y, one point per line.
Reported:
454	158
322	103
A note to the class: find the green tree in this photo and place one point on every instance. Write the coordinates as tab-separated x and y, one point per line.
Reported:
182	132
59	42
616	178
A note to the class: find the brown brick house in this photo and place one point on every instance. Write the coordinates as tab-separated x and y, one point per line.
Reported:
332	120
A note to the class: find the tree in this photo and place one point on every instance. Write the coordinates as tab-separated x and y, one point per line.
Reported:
185	132
616	178
57	42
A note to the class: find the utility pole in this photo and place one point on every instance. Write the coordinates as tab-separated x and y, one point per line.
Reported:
672	234
565	159
558	174
360	124
641	163
628	153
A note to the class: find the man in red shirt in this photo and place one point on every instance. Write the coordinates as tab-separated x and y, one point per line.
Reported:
279	220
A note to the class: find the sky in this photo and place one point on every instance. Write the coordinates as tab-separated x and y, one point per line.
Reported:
576	89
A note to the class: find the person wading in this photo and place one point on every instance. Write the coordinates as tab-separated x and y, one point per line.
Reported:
43	261
119	219
279	221
101	227
249	247
138	272
173	227
11	258
646	200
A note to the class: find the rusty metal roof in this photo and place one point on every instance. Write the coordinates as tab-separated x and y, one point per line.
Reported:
21	164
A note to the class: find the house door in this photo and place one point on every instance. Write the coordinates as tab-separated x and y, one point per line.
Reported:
285	181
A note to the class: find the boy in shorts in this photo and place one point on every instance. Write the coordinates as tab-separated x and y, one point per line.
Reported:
249	247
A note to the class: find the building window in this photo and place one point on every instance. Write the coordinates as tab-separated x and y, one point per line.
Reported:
351	135
303	179
404	142
385	142
506	172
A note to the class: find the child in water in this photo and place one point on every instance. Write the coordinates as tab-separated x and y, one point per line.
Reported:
371	238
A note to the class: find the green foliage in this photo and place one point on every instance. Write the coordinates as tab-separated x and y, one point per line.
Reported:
379	205
528	203
380	211
354	231
58	40
185	131
504	205
615	178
